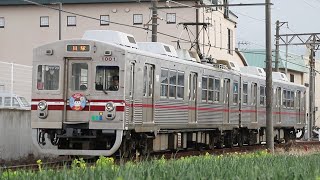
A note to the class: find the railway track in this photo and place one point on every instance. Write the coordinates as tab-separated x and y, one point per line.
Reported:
65	161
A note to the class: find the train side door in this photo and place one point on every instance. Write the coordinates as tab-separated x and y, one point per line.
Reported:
226	90
131	92
76	90
254	104
193	81
148	93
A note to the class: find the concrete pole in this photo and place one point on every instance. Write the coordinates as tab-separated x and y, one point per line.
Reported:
60	9
276	65
197	29
269	123
311	93
154	37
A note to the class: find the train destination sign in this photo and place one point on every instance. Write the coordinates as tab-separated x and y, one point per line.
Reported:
78	48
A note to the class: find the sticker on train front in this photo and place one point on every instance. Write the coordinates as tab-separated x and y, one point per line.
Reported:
97	118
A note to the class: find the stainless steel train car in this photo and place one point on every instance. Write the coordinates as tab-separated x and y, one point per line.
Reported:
106	94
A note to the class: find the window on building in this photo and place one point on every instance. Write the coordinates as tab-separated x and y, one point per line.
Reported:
171	18
44	21
226	9
71	21
245	93
230	41
137	19
104	20
291	78
1	22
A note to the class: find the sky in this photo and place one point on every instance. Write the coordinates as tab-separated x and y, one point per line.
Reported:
301	15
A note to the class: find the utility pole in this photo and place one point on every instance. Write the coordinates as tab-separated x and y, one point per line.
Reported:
197	28
278	25
269	119
154	37
60	9
311	91
312	41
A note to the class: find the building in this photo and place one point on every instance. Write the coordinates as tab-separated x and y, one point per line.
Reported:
25	25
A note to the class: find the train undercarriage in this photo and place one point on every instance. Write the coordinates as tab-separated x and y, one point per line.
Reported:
79	141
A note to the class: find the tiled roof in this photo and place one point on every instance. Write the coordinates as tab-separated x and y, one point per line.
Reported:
257	58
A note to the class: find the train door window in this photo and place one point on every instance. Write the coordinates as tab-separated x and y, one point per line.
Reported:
288	99
48	77
172	84
189	86
235	92
262	95
204	88
254	93
164	83
210	89
180	85
145	76
148	74
107	78
131	80
216	90
245	93
194	86
0	101
79	76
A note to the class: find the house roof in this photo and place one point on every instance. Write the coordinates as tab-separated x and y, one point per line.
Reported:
257	57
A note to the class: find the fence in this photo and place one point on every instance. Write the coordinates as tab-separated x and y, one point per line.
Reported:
16	79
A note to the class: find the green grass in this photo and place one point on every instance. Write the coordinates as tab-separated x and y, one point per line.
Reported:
259	165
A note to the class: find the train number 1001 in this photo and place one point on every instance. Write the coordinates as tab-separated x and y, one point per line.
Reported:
109	58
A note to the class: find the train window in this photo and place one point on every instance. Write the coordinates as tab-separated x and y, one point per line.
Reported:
245	93
48	77
107	78
204	88
180	85
79	76
210	90
164	83
262	95
0	101
284	98
216	90
235	92
173	83
292	99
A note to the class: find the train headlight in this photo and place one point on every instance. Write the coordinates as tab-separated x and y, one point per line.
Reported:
42	105
109	106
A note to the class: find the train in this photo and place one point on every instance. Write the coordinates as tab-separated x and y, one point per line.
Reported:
106	94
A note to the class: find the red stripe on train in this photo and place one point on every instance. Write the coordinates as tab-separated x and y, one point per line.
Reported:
98	100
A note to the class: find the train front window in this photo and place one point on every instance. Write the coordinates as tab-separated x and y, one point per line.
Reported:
79	76
48	77
107	78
